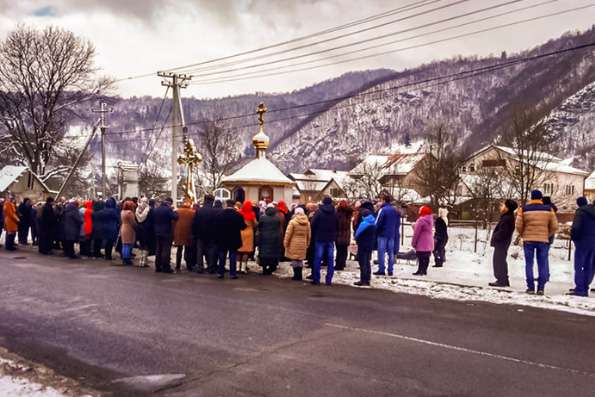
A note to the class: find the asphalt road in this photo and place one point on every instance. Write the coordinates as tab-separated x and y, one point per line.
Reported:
114	328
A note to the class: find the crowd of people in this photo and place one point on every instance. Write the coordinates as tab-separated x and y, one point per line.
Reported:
210	236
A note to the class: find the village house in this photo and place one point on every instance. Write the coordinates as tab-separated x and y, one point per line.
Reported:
590	187
21	182
397	172
484	172
314	184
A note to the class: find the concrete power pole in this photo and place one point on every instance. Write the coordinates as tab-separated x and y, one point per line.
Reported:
103	110
175	81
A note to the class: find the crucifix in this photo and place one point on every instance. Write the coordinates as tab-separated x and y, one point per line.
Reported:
190	159
261	110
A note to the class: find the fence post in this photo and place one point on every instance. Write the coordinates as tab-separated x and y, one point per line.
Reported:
475	245
569	249
402	231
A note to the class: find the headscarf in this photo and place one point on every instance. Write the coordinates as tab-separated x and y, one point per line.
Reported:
282	207
142	211
443	214
425	210
247	211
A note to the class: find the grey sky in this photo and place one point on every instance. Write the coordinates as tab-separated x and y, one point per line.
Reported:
135	37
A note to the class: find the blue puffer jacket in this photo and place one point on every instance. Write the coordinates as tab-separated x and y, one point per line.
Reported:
387	223
106	222
365	235
583	227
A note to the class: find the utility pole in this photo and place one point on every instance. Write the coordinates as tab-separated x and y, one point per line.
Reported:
103	110
178	125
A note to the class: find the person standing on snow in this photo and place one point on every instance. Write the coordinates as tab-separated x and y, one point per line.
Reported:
440	237
269	240
183	236
583	236
536	223
25	220
203	228
387	230
247	249
164	218
344	214
127	231
47	226
423	241
324	230
296	241
228	235
365	236
11	223
501	239
72	222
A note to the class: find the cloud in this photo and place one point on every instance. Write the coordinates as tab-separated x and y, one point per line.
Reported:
45	11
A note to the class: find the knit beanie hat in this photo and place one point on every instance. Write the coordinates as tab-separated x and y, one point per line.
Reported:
536	195
425	210
581	201
327	200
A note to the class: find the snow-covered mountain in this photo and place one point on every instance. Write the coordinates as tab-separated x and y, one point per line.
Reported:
385	106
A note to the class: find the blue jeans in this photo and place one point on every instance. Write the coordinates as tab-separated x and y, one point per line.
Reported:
232	262
127	251
539	250
584	268
386	245
323	248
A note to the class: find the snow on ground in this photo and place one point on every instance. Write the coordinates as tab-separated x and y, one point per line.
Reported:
466	274
20	386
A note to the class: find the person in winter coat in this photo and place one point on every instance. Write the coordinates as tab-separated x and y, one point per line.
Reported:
34	211
324	230
440	237
25	221
536	223
106	223
127	231
203	228
72	221
311	209
183	236
87	228
296	241
164	217
365	236
247	248
423	241
387	230
269	240
583	236
47	227
228	236
96	240
501	239
59	208
145	230
11	223
344	215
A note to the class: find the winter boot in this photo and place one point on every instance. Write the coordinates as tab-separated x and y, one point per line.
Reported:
297	274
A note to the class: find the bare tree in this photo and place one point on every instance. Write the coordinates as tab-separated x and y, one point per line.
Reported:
219	149
366	183
43	76
438	174
530	143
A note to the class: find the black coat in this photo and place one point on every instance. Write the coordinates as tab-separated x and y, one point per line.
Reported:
228	230
72	221
106	222
269	235
205	223
325	224
503	231
145	232
164	217
441	233
59	229
47	222
24	212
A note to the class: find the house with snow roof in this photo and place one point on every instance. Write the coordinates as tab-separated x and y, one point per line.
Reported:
397	172
558	179
314	184
21	182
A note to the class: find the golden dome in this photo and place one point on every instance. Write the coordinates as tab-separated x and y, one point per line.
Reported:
261	140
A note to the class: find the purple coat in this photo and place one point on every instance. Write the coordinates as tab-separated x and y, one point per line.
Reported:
423	239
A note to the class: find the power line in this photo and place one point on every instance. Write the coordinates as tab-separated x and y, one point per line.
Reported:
149	143
457	75
358	58
355	43
371	18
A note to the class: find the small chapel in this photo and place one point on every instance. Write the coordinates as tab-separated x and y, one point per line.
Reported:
260	179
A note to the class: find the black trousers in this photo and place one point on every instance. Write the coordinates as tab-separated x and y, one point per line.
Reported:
341	259
10	237
365	268
109	247
440	252
97	247
500	264
184	251
69	249
45	244
424	261
163	254
206	250
85	247
23	233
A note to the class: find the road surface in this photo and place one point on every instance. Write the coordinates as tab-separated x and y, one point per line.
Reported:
130	331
